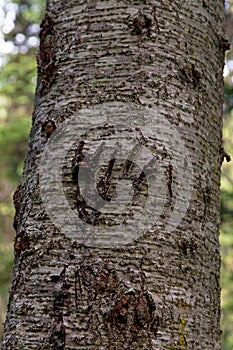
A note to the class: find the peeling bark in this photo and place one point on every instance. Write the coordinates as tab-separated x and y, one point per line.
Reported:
161	289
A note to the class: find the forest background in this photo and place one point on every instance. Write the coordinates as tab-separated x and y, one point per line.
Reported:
19	31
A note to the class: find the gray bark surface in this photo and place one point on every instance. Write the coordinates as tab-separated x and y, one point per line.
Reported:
157	67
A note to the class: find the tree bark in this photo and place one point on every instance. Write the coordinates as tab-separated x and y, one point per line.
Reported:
117	211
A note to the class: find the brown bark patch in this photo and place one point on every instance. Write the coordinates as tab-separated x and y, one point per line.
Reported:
21	243
46	57
132	320
48	128
144	23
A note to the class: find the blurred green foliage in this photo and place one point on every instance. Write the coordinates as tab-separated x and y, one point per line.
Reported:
17	86
226	237
18	76
13	140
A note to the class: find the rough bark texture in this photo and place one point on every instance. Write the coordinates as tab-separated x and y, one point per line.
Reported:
161	290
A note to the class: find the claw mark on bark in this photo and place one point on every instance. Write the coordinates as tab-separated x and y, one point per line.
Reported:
104	185
94	161
169	174
131	160
77	160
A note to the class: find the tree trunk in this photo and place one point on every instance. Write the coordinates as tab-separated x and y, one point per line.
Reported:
117	212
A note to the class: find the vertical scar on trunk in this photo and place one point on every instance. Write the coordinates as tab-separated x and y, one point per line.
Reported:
17	204
46	55
61	296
